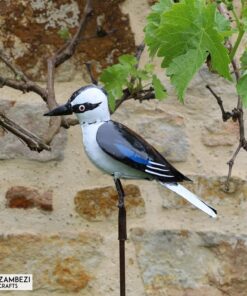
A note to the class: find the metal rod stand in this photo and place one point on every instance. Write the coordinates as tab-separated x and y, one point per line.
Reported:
122	234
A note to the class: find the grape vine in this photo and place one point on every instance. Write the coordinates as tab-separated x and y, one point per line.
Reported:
186	35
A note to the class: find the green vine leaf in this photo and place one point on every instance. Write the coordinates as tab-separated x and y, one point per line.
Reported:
243	60
149	68
242	89
223	25
154	18
125	74
182	69
160	92
190	26
244	18
115	77
64	33
127	60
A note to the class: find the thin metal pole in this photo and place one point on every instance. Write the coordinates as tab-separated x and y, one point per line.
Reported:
122	233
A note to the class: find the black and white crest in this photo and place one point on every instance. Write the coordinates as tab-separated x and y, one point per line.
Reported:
80	90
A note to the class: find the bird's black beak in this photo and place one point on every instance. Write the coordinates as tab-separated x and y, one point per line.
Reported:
60	110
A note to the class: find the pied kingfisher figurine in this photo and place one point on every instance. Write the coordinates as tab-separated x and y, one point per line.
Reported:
119	151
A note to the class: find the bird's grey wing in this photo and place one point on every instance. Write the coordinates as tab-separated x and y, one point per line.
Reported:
126	146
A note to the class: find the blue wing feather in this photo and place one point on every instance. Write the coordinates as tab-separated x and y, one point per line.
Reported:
126	146
131	154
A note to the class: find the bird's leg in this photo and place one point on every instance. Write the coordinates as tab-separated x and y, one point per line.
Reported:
122	233
122	211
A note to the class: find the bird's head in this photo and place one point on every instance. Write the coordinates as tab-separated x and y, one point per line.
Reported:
89	103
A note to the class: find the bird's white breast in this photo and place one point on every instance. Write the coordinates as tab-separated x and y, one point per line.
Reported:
102	160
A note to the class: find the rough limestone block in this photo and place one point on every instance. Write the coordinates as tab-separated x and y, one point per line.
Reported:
169	138
30	117
64	263
22	197
210	189
218	133
99	204
179	263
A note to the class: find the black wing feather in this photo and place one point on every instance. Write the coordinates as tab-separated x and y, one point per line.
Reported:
126	146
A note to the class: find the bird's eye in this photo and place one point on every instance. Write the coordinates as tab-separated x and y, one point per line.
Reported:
81	108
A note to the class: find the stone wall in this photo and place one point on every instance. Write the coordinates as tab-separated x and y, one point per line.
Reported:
53	23
58	212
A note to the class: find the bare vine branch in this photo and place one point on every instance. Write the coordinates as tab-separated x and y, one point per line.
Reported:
32	141
230	164
18	73
139	51
89	70
141	95
237	113
63	54
225	114
24	84
68	50
21	81
25	87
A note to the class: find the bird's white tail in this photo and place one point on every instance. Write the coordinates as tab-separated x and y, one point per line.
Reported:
191	197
